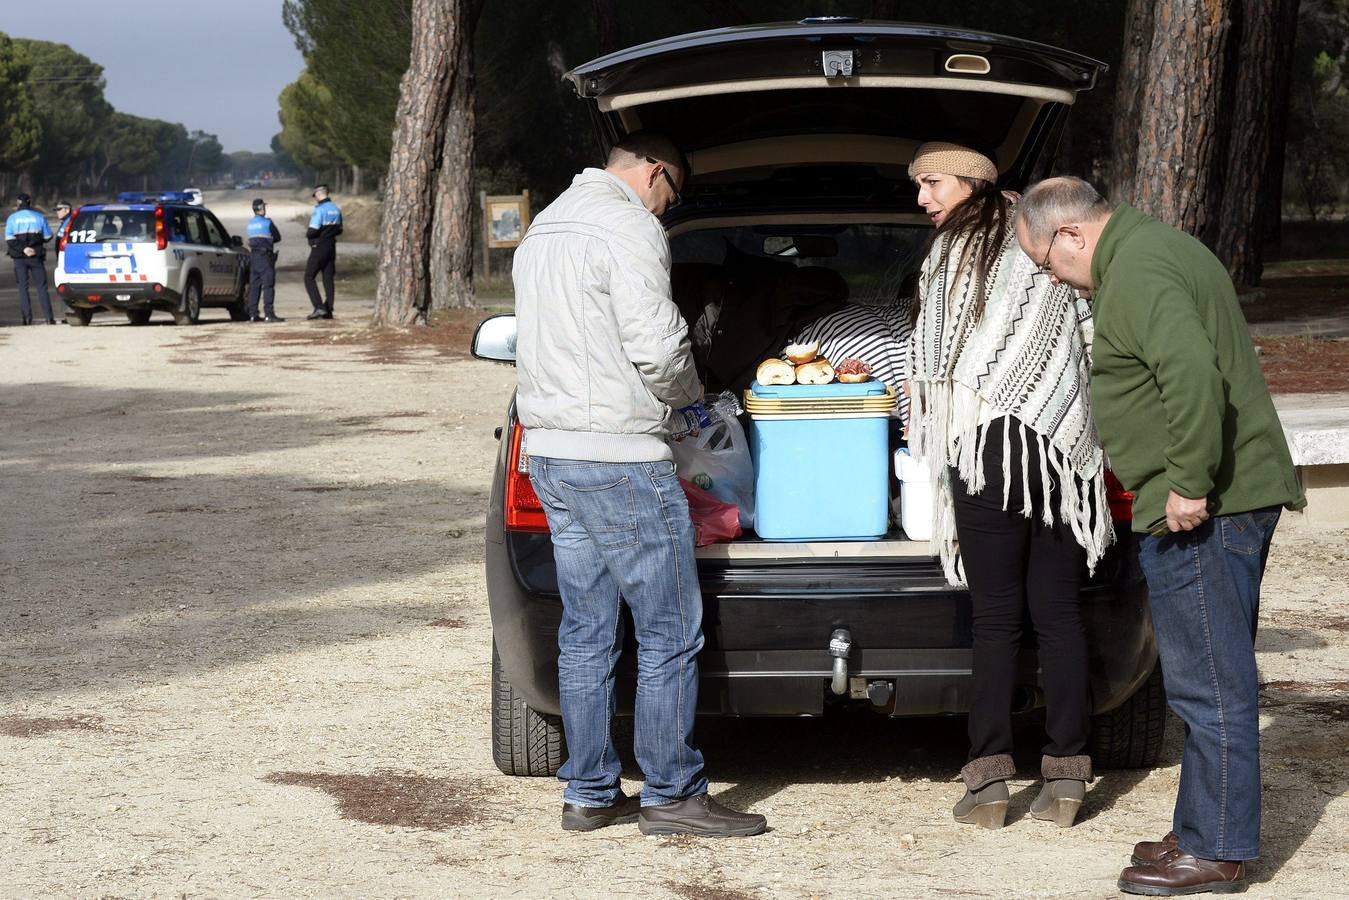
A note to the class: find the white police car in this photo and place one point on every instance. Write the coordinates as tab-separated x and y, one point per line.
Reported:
148	252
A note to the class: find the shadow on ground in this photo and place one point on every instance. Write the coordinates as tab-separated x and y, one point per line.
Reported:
113	571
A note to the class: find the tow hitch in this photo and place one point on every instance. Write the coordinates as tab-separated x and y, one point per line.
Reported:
840	644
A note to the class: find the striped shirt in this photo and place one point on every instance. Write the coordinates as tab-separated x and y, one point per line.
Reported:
877	335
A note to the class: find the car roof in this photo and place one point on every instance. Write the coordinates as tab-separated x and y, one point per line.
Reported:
141	207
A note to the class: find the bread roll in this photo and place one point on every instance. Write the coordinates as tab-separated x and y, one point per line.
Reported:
818	372
775	371
853	377
802	353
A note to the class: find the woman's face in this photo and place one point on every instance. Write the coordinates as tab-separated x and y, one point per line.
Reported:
938	194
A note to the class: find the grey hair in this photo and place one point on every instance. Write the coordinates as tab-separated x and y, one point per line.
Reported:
1055	202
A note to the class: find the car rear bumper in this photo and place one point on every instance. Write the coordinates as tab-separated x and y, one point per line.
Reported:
767	630
136	295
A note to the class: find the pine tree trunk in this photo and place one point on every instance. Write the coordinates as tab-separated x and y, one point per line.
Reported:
1178	105
452	230
403	284
1129	83
357	181
1262	73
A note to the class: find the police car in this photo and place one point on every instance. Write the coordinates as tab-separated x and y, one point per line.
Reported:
148	252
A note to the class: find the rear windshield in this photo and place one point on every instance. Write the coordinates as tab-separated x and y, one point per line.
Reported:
96	226
873	260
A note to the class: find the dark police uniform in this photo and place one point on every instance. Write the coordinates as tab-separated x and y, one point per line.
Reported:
324	227
262	237
26	228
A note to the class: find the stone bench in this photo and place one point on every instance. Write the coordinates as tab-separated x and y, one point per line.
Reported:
1317	429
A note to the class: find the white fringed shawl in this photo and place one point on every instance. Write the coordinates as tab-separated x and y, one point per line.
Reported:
1027	357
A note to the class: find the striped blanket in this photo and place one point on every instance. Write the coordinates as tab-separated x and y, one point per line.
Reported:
877	335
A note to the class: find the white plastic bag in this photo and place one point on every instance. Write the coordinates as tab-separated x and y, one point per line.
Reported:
717	458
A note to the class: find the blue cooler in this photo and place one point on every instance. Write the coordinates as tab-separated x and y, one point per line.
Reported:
821	460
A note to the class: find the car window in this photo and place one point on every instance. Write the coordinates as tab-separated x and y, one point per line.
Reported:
215	232
188	224
100	225
872	258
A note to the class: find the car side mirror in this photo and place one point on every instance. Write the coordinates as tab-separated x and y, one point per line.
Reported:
494	338
236	241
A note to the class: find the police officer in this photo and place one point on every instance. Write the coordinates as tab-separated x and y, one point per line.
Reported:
62	213
324	227
262	238
26	234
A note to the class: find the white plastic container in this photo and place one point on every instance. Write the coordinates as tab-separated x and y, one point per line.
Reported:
915	496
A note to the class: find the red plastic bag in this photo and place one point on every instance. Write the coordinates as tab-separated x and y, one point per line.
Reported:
713	520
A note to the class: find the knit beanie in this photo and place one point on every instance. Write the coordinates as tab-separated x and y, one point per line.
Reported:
952	159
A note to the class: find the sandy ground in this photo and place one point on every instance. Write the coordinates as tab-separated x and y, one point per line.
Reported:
244	652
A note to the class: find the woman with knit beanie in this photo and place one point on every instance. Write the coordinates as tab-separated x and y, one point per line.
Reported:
998	364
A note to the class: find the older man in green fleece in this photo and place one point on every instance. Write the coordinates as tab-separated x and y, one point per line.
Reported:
1186	418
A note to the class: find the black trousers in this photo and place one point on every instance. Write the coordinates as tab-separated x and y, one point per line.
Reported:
1014	563
322	260
261	284
32	268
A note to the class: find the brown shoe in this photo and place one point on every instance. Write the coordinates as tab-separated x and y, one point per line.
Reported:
700	815
623	811
1179	873
1148	852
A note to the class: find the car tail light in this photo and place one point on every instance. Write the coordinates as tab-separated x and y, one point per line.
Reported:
60	289
93	297
524	512
156	287
161	238
1121	501
65	232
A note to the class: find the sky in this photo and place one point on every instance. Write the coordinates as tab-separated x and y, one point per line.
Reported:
214	65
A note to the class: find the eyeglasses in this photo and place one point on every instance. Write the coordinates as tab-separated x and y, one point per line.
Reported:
1044	266
678	197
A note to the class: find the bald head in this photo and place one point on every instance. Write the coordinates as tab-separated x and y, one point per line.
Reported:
1058	201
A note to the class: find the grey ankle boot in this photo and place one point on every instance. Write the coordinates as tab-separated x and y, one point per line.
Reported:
985	800
1064	789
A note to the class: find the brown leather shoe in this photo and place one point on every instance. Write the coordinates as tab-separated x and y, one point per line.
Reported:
1148	852
700	815
1178	873
623	811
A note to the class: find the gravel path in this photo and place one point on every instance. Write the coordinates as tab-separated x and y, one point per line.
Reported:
244	651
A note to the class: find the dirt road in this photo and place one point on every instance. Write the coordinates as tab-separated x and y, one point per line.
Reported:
244	652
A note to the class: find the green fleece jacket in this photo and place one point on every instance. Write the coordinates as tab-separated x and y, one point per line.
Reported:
1176	388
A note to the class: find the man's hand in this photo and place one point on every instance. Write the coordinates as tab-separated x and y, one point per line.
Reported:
29	251
1184	514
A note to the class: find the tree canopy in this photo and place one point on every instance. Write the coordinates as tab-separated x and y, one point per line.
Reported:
20	127
59	133
355	53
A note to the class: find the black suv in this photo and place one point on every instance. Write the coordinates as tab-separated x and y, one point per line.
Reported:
796	132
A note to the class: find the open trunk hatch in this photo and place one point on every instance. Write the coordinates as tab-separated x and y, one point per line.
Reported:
828	94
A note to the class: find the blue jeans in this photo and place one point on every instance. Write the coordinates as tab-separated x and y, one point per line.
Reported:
1205	594
622	534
